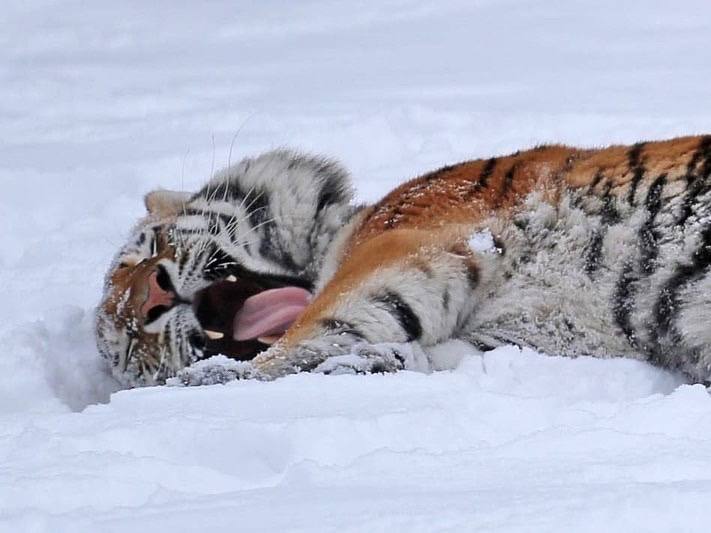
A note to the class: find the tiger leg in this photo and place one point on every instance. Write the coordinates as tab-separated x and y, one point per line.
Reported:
392	296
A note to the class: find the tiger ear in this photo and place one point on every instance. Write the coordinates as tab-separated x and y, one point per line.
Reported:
164	203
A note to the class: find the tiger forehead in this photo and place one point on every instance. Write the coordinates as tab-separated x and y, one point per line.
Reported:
471	189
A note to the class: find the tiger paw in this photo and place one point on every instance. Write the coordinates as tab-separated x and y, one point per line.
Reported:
327	357
280	361
365	359
215	370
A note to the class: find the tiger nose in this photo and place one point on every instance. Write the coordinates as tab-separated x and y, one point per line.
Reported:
159	298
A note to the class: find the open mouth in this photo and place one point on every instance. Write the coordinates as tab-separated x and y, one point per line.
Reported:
242	316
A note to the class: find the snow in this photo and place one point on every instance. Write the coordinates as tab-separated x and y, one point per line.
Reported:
101	102
482	242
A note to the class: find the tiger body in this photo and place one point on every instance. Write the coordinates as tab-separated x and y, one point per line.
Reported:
601	252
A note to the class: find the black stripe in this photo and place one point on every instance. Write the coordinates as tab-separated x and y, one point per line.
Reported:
438	173
481	345
341	327
197	263
636	164
596	179
183	261
191	211
508	182
445	300
211	218
696	182
473	274
156	239
609	216
259	213
270	246
422	182
622	302
268	250
482	182
402	312
593	255
648	239
648	234
486	173
219	264
332	190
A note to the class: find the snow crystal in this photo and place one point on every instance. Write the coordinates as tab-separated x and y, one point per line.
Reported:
483	242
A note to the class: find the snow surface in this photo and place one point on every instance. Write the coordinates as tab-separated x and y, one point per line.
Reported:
100	102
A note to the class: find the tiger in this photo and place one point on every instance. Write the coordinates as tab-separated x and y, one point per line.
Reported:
601	252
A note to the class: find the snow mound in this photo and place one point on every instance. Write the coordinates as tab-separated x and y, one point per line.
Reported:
403	450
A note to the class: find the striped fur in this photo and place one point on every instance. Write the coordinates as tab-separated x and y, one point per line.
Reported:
601	252
267	218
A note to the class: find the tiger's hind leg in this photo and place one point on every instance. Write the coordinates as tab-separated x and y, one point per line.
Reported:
683	327
395	294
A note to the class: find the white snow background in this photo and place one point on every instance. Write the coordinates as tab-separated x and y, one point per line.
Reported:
102	101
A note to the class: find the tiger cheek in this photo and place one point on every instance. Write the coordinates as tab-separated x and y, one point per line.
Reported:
117	290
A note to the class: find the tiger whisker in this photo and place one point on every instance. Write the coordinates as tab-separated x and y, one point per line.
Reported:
234	138
264	223
212	164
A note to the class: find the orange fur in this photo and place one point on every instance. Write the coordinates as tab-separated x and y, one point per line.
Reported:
402	247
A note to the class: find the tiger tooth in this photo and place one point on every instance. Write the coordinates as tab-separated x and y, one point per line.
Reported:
214	335
231	278
268	340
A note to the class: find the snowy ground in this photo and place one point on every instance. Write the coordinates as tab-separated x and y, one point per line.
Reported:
100	102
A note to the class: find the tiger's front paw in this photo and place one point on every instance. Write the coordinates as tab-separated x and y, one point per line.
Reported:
334	356
305	356
215	370
365	359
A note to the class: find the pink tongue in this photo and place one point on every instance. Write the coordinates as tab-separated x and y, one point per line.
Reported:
270	312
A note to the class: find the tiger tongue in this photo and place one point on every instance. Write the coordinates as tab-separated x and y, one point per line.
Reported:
269	312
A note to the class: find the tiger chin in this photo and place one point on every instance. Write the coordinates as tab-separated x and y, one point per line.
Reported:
602	252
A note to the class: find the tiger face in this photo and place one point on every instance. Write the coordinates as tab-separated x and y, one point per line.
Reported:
225	270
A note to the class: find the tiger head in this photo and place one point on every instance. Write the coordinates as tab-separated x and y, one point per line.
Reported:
224	270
